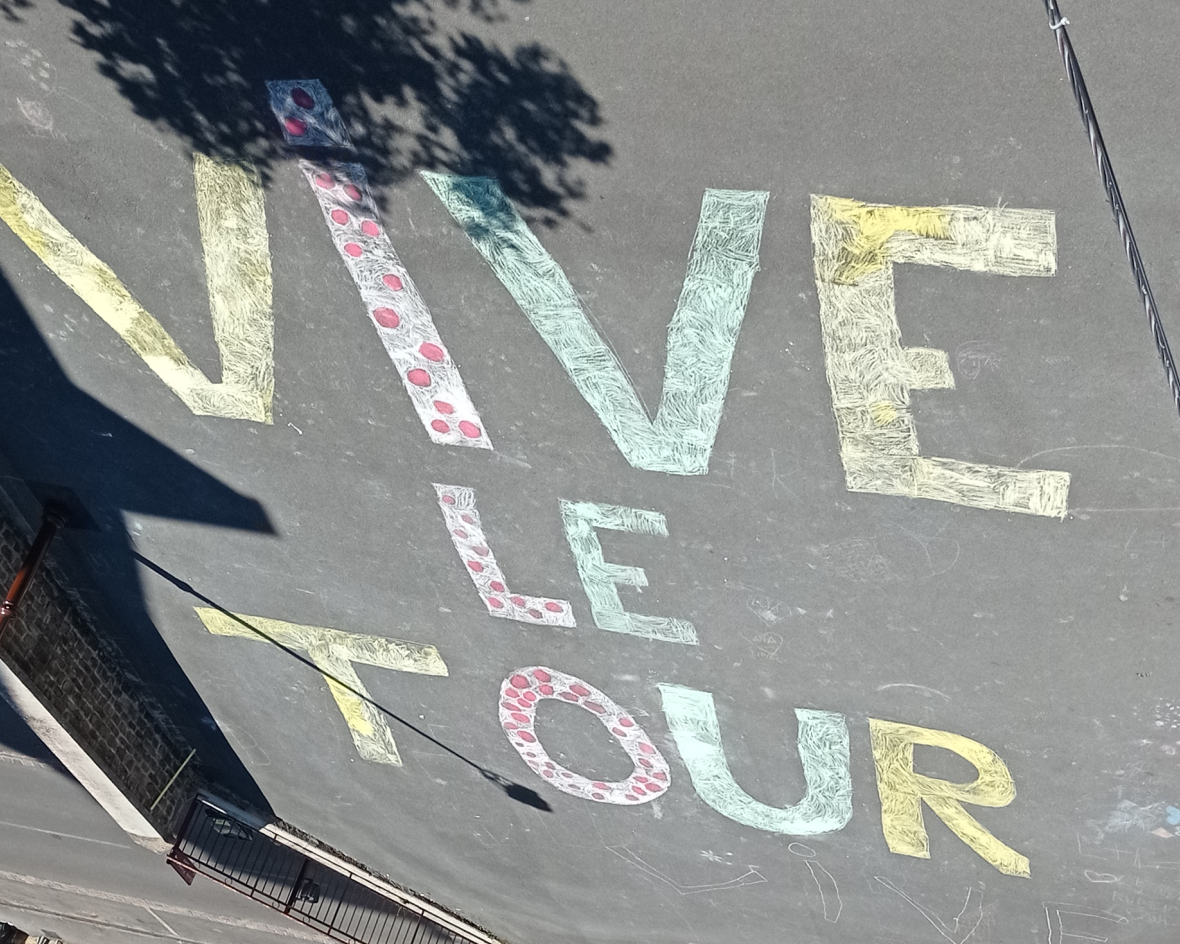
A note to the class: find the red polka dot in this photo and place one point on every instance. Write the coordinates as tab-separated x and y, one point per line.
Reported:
353	250
580	690
469	429
545	689
618	731
302	98
418	377
566	773
369	228
541	675
352	191
646	748
598	796
519	681
499	588
482	552
660	775
536	614
553	607
547	773
432	352
522	718
392	282
510	707
468	519
461	534
645	762
448	499
443	407
529	697
525	736
325	181
653	787
569	696
340	216
440	426
386	317
600	785
511	693
296	127
626	722
594	706
640	778
519	601
507	725
475	566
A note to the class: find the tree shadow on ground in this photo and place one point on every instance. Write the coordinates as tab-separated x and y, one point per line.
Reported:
416	85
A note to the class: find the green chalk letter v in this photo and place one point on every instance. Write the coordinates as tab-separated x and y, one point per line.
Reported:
701	337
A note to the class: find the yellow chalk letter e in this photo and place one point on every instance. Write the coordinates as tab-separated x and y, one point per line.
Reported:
903	791
871	374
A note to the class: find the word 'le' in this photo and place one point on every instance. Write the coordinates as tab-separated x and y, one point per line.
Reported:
856	245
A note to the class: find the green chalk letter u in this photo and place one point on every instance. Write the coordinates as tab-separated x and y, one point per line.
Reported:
701	337
823	751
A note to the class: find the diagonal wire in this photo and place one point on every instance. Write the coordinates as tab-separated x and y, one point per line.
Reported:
1114	196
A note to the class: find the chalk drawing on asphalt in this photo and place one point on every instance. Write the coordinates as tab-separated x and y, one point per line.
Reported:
519	696
396	309
306	114
334	652
238	275
825	882
962	926
467	534
701	336
749	877
871	374
903	791
601	578
823	752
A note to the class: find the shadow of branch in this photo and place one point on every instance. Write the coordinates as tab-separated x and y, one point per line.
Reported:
516	791
420	84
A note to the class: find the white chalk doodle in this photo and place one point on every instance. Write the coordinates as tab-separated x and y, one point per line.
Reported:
825	881
702	335
962	926
519	695
823	752
467	534
1057	912
749	877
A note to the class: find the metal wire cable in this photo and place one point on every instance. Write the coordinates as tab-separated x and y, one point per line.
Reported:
1113	195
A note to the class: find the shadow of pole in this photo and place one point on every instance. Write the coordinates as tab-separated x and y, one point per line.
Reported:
511	788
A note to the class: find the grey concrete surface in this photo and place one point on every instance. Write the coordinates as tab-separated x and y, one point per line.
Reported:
68	871
1047	640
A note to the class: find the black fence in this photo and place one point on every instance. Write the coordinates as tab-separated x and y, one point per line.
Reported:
339	902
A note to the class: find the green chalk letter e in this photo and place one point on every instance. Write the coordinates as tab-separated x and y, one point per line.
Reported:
823	751
701	337
600	577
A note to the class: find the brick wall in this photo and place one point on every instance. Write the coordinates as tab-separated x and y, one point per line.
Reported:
58	650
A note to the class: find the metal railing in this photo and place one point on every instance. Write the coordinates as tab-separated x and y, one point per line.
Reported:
320	892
